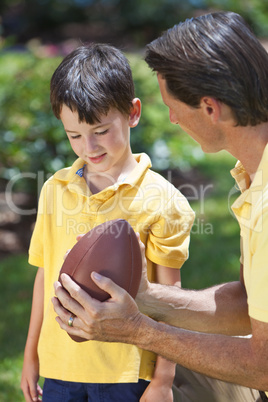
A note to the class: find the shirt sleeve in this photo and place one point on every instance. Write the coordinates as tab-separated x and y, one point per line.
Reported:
169	236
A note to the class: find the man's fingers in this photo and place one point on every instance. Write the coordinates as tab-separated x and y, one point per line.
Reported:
63	318
68	294
103	321
106	284
73	297
60	310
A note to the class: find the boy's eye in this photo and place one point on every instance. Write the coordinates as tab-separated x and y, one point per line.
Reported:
101	132
74	137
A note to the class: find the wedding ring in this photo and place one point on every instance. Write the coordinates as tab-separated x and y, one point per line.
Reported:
71	321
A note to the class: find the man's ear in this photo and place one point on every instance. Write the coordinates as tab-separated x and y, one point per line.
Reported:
135	113
211	108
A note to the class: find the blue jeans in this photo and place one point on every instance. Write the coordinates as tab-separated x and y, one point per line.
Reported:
64	391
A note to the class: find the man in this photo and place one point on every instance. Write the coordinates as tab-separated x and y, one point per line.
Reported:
213	76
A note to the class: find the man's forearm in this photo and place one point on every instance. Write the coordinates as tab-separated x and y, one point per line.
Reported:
221	309
216	356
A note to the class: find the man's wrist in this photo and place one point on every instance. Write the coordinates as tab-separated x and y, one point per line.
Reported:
150	301
144	332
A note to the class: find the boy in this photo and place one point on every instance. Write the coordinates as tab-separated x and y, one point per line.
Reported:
92	92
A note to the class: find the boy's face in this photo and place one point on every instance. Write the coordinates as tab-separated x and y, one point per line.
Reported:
104	146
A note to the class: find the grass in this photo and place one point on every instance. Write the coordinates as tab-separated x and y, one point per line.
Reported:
214	258
15	305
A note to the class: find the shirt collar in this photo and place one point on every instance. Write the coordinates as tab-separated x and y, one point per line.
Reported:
241	176
243	181
74	174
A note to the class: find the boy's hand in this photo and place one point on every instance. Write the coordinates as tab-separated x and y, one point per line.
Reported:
156	392
29	381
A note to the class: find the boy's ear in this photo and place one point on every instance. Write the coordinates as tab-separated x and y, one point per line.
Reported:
135	113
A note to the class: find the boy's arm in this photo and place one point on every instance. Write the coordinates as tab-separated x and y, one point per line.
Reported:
30	371
160	388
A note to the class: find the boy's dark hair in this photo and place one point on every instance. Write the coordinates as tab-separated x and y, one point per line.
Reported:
91	80
214	55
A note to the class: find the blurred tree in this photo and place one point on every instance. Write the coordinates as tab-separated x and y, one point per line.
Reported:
254	11
125	23
32	138
140	20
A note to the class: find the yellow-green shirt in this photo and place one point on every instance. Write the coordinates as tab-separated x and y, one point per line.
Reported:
155	209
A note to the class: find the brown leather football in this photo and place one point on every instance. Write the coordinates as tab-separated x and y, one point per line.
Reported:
111	249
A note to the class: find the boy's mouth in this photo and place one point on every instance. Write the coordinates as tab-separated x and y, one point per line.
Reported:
97	159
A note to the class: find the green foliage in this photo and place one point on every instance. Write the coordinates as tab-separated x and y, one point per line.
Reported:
138	19
254	11
10	374
215	241
32	138
154	123
133	23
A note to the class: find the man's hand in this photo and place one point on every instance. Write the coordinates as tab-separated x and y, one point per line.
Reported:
115	320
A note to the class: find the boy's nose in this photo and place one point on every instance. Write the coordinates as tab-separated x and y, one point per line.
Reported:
91	144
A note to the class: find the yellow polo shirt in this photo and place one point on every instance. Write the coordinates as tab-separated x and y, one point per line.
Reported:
251	210
155	209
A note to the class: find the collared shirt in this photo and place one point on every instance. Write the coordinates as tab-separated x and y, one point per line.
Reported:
251	211
154	208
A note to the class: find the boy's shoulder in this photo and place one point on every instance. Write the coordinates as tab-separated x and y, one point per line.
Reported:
158	179
152	179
